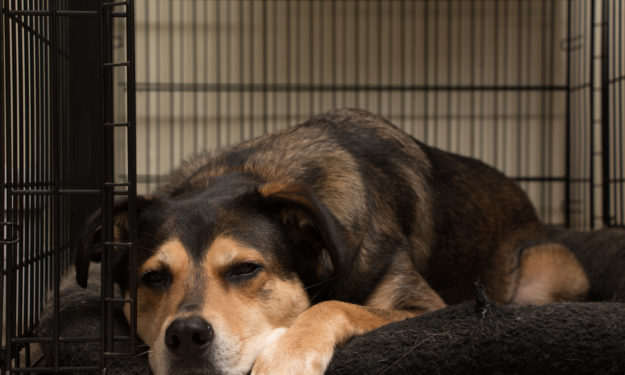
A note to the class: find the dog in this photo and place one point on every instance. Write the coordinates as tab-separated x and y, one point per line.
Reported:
263	257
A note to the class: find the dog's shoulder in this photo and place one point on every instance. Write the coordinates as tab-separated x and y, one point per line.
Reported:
335	142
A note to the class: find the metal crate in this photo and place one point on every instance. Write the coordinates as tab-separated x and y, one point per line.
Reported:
532	88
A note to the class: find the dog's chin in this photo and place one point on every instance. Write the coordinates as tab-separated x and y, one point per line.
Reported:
162	363
200	366
191	369
196	369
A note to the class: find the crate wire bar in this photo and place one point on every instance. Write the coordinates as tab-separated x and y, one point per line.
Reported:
108	339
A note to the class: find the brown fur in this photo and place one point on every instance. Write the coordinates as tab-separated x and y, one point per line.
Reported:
346	224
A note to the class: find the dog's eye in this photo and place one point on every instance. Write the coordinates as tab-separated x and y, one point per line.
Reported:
242	272
156	279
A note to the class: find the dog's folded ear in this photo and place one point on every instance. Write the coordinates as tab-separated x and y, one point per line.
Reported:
90	248
321	241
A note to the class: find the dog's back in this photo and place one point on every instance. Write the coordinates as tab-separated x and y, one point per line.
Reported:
458	219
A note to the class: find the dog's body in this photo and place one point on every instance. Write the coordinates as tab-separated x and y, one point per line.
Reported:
267	255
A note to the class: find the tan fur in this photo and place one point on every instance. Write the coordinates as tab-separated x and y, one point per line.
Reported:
549	273
245	318
153	307
304	350
243	304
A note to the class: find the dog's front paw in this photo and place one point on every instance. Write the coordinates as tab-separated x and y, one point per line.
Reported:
294	354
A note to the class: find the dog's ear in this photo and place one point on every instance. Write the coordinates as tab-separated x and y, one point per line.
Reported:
323	244
90	248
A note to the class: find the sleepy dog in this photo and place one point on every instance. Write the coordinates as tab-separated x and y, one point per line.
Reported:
263	257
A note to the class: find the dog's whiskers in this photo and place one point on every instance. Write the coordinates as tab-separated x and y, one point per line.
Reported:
256	334
143	353
324	287
321	282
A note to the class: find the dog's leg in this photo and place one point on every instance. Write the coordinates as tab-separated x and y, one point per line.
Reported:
404	289
307	346
548	273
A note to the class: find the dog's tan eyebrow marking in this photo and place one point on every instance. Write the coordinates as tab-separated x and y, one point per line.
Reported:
226	251
171	254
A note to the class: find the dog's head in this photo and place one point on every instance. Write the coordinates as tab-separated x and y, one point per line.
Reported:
224	271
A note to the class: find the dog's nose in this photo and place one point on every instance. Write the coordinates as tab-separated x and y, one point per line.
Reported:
188	337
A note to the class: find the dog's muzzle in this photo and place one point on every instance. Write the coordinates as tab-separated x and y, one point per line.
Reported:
188	338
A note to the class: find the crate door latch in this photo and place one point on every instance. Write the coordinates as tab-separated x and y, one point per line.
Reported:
15	233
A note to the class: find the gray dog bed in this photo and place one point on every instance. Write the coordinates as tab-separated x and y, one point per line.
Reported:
472	337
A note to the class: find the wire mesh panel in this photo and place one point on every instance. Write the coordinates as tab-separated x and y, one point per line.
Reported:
34	159
482	78
596	128
57	166
612	103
